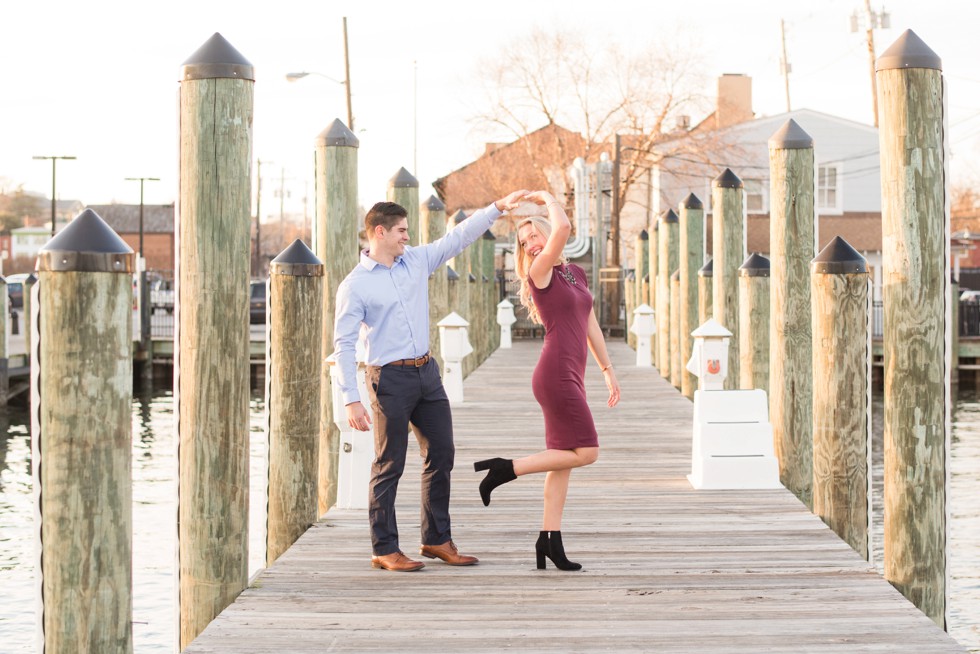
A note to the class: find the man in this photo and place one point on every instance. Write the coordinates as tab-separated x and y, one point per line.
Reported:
387	293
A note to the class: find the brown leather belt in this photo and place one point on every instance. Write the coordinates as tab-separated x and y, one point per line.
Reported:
418	362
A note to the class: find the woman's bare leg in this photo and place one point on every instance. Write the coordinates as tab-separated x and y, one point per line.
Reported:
550	460
555	492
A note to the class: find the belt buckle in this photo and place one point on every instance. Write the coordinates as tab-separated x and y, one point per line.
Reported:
420	361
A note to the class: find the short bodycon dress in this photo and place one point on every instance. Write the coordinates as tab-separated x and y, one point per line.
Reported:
558	383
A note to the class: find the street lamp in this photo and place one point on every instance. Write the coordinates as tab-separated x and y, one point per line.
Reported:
141	180
292	77
54	161
144	289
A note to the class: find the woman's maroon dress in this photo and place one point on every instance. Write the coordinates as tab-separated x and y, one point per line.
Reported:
558	383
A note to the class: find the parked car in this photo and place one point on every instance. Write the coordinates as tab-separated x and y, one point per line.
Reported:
15	289
162	295
256	302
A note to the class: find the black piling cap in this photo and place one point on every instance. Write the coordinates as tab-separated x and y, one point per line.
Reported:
485	280
692	202
644	236
669	217
337	134
459	216
676	277
708	269
434	204
488	236
451	274
727	179
297	260
755	265
31	279
909	51
403	179
472	278
838	258
86	244
646	278
790	137
217	58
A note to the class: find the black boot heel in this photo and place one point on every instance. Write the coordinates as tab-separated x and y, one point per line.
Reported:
549	544
501	471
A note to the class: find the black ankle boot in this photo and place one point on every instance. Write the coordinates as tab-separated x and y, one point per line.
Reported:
549	545
501	471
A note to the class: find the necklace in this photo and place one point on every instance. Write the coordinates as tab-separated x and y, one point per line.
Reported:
564	272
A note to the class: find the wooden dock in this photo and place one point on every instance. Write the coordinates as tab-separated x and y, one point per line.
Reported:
666	568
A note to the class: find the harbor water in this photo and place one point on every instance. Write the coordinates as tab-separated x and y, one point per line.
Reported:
154	520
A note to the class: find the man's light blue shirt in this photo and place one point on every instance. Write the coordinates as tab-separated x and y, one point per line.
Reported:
393	303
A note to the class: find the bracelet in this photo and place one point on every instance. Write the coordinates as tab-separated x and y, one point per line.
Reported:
606	368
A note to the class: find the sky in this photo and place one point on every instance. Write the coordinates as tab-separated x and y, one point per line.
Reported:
99	80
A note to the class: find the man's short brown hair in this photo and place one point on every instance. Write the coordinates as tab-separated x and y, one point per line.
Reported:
386	214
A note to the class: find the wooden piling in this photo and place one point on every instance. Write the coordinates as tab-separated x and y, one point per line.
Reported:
753	329
403	188
841	383
490	330
27	312
82	407
641	250
915	233
690	259
432	227
654	270
954	296
293	399
675	326
461	264
792	244
211	358
728	252
335	243
667	260
705	293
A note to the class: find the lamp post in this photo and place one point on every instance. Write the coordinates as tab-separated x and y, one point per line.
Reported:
292	77
54	161
144	288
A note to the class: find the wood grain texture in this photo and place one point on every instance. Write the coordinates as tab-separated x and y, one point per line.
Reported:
690	259
841	433
432	227
915	269
728	250
212	360
666	568
408	197
705	297
668	261
676	365
85	471
295	320
653	270
753	332
792	241
335	244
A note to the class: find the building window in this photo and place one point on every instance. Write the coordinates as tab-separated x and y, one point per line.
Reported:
755	198
829	188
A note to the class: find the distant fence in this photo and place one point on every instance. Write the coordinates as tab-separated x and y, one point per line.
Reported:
969	323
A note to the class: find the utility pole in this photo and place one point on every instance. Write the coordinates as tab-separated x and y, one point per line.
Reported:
257	271
54	161
784	65
350	112
872	20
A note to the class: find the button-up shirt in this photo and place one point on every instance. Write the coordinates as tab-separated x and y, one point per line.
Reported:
392	304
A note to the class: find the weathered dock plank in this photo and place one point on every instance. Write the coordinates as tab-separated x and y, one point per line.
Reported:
666	568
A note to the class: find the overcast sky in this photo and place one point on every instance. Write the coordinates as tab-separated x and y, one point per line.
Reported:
99	79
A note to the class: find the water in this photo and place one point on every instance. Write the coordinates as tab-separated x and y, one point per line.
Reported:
154	513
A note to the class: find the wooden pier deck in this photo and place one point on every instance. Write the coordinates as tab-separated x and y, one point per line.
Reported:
666	568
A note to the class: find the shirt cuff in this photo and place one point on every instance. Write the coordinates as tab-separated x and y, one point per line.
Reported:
351	396
493	211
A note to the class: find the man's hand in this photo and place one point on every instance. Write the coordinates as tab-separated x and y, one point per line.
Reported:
357	417
512	201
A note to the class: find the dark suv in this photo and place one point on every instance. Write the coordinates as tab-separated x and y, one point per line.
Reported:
256	302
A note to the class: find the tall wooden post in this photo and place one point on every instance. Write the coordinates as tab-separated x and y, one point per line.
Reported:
841	383
475	319
335	243
293	399
728	252
915	233
641	249
753	328
489	245
705	292
675	328
403	188
690	259
82	411
791	239
654	270
27	313
211	358
667	260
432	227
954	364
4	343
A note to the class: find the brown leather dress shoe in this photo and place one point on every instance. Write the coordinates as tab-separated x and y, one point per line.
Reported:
448	553
396	562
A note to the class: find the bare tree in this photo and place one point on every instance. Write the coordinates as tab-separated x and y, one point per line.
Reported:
597	89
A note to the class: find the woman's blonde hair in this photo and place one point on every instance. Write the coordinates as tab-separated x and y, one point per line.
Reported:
523	261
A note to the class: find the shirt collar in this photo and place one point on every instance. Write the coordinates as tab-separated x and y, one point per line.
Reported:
370	263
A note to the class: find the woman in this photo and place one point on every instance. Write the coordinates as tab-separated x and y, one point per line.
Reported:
555	295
